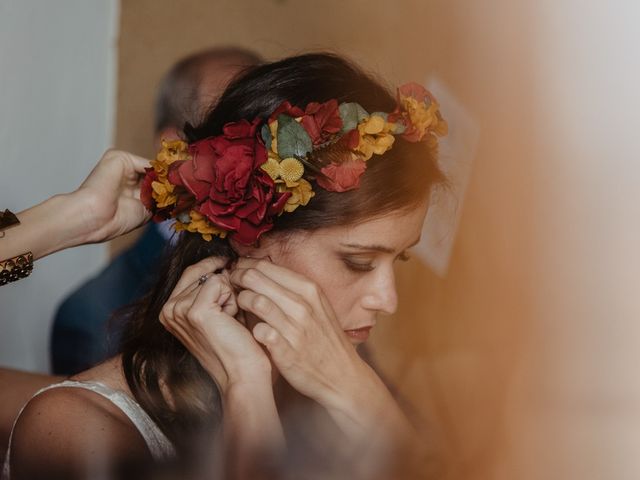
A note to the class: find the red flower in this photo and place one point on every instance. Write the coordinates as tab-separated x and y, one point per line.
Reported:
342	177
287	109
229	187
415	90
322	121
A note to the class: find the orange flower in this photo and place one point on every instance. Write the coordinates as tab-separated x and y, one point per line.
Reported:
200	225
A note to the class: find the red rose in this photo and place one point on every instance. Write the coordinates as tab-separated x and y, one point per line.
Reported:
229	186
342	177
322	121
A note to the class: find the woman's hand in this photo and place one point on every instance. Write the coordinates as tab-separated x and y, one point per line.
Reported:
299	328
111	196
303	336
200	313
312	352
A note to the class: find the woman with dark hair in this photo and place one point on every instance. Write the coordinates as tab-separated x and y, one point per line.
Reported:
296	195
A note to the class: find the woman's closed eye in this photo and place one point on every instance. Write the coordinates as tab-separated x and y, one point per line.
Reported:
358	265
364	265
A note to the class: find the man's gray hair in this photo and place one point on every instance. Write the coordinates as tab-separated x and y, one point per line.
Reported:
178	101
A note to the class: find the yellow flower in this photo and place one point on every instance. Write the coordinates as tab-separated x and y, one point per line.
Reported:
290	170
300	195
272	167
425	118
375	136
373	125
163	193
172	150
200	224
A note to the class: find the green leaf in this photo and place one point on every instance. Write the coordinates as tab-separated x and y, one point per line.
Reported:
351	114
293	139
266	135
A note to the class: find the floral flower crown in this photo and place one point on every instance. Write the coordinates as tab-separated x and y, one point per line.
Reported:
237	183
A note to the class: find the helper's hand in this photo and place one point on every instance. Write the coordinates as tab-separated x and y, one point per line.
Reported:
111	196
106	205
200	313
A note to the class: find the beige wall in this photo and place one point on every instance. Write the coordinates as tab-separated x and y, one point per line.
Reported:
496	351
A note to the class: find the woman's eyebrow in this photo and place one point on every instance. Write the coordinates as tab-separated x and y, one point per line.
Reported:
374	248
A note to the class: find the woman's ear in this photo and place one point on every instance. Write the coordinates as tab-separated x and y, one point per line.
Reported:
266	248
242	250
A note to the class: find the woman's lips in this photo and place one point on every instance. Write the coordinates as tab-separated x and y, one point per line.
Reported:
360	334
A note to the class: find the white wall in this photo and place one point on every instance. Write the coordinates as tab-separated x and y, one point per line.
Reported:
57	78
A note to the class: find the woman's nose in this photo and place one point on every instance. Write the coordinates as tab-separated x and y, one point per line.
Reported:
381	295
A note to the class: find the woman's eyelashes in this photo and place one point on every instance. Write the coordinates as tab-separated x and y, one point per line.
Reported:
356	264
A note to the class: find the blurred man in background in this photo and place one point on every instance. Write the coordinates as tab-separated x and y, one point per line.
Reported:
82	335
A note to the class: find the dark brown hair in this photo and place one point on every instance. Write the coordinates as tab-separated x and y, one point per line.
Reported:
399	179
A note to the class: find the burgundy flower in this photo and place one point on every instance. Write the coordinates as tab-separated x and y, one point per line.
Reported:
229	187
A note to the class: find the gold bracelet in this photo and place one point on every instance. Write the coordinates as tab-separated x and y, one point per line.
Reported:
19	266
16	268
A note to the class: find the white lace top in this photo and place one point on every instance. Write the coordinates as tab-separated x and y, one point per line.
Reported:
159	445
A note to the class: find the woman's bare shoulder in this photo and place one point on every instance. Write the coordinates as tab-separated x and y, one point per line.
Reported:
68	432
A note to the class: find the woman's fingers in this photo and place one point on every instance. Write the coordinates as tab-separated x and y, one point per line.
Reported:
280	349
289	279
193	273
215	295
139	163
270	292
267	310
297	286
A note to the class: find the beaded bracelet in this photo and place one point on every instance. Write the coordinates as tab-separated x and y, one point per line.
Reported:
16	268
